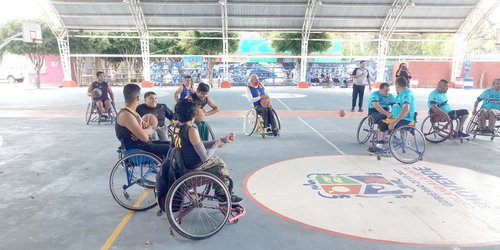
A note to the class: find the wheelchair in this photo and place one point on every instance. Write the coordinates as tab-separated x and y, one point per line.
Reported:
473	127
190	204
254	122
366	129
132	179
437	128
406	143
91	114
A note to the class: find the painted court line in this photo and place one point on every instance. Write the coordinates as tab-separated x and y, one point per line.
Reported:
333	145
484	146
124	222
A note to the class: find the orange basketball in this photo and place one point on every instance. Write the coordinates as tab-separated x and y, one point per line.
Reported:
341	113
96	94
266	102
149	119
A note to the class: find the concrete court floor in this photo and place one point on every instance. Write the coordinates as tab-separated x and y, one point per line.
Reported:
54	170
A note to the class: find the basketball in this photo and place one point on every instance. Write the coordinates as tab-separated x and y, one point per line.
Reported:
341	113
266	102
96	94
150	120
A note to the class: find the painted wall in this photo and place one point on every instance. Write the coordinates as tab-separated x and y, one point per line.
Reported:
491	71
428	73
51	72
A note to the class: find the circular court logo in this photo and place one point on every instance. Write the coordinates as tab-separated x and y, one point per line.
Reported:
423	204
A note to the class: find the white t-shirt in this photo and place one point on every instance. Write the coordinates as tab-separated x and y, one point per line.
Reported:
360	80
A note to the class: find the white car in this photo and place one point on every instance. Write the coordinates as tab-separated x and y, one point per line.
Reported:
12	76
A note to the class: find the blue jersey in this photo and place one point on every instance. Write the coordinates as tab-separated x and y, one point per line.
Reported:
440	99
406	96
257	91
384	101
103	86
186	91
490	98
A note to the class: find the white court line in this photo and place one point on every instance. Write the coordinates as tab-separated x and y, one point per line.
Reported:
289	109
333	145
484	146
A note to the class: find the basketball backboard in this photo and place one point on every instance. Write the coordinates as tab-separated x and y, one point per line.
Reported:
32	33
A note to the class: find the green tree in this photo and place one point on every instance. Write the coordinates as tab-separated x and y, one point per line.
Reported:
85	45
292	43
125	46
200	46
35	51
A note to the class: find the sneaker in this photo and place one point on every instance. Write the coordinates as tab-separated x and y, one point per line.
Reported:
235	199
275	132
372	149
462	134
352	110
360	110
379	145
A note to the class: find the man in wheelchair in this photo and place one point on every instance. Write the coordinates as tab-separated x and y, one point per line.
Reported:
490	109
198	155
132	132
403	112
256	94
438	104
102	101
160	111
201	99
379	105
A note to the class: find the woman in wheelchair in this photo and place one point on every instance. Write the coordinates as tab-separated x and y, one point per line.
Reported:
131	130
490	109
201	99
257	95
198	155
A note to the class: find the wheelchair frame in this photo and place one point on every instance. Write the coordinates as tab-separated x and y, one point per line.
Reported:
473	125
255	122
91	115
441	129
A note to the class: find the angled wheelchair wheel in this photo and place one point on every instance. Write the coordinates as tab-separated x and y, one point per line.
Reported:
407	144
473	124
132	181
436	129
89	113
210	132
250	122
192	208
366	129
277	119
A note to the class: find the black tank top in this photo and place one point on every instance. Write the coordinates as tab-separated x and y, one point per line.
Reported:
190	158
103	86
123	134
199	102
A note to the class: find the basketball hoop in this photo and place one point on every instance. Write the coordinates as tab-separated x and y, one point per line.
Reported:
32	33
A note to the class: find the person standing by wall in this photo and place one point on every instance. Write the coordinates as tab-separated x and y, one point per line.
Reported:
360	76
403	72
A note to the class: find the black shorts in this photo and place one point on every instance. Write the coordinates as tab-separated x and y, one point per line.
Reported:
455	114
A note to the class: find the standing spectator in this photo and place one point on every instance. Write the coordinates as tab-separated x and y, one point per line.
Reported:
360	76
403	72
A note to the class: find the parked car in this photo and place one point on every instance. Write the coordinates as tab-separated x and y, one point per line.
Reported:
11	75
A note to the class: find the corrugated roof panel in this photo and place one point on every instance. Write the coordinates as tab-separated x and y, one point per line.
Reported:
98	9
180	10
265	10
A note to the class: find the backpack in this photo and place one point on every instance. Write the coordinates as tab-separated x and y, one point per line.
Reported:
171	169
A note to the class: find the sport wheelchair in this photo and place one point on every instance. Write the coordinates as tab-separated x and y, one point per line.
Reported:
254	122
437	128
190	204
406	144
473	127
91	114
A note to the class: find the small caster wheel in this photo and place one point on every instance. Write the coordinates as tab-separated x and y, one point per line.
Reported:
159	213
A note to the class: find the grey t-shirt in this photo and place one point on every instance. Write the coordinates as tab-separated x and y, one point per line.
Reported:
360	80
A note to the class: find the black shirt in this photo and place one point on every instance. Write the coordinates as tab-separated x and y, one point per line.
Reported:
199	102
161	111
190	158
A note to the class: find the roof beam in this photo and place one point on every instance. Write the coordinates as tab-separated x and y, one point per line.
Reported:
306	31
142	28
391	21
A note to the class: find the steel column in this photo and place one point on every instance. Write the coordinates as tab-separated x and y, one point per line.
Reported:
142	28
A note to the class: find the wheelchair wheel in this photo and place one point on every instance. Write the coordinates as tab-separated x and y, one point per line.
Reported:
366	129
250	122
210	132
436	129
277	119
473	124
192	209
89	113
132	181
407	144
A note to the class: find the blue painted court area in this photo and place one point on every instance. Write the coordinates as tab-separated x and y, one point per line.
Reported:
314	187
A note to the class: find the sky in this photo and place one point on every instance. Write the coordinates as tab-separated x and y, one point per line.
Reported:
12	9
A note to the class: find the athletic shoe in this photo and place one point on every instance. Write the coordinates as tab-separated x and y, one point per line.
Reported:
360	110
352	110
235	199
462	134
